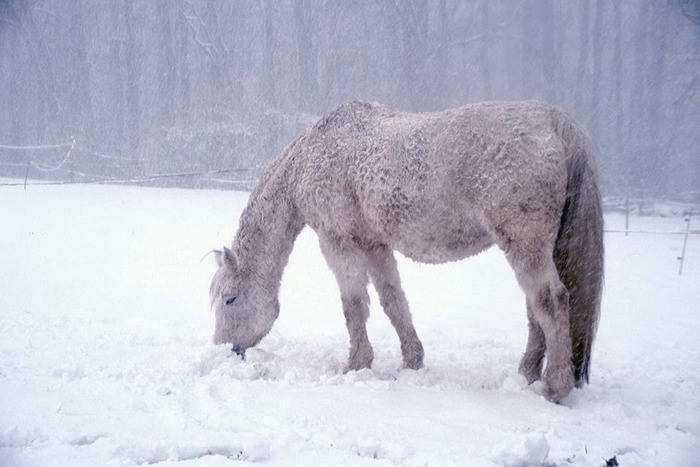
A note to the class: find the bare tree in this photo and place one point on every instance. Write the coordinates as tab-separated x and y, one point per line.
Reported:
484	50
638	142
216	82
184	84
619	138
414	29
131	57
597	83
116	134
656	115
442	54
48	102
583	53
268	65
307	69
166	62
549	59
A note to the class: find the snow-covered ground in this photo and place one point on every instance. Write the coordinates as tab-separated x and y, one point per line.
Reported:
106	356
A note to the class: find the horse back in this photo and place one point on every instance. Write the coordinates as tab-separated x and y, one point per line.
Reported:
436	186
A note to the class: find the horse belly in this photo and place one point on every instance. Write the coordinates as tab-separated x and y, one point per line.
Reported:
442	240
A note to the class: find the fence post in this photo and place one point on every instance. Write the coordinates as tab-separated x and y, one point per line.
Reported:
685	242
627	214
26	173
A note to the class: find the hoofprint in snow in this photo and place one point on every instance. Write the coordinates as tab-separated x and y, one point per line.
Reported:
106	354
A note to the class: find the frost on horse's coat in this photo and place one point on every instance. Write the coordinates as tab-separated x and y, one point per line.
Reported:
436	187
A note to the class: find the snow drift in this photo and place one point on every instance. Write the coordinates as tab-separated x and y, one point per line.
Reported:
106	354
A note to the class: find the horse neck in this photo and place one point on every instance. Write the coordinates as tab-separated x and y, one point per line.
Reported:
267	230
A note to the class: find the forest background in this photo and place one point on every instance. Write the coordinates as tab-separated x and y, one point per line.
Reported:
104	89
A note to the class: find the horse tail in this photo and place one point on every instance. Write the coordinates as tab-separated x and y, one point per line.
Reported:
578	251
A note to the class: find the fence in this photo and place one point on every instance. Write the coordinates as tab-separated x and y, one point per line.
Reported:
610	204
69	176
687	209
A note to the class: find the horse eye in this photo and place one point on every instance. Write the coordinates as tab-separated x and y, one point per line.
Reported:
230	301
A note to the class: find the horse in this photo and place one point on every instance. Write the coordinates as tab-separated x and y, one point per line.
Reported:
436	187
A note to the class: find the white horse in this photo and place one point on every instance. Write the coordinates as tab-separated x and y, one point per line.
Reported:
436	187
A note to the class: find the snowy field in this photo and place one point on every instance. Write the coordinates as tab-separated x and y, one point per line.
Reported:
106	354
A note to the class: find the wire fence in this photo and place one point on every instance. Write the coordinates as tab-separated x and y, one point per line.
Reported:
627	205
65	175
640	205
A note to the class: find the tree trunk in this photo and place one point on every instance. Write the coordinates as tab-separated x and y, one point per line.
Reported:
268	65
166	59
184	87
549	61
638	134
656	116
116	127
527	57
132	86
583	53
484	51
414	29
48	104
617	166
79	107
307	70
597	84
441	56
15	91
221	86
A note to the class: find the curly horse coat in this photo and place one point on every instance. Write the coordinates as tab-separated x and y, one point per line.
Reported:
437	187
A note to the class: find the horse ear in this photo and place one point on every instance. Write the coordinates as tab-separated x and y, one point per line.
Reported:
228	259
219	255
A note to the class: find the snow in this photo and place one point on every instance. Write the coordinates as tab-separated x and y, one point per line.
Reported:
106	354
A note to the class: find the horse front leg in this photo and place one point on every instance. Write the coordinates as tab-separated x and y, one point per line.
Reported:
385	277
348	267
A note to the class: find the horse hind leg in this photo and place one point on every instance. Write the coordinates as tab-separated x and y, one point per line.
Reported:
531	362
385	277
356	311
549	303
352	281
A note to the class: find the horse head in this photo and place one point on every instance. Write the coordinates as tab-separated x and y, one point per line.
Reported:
245	310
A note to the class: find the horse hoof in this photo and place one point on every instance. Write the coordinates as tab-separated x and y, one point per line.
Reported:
359	359
413	365
551	395
413	356
559	389
531	372
350	366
